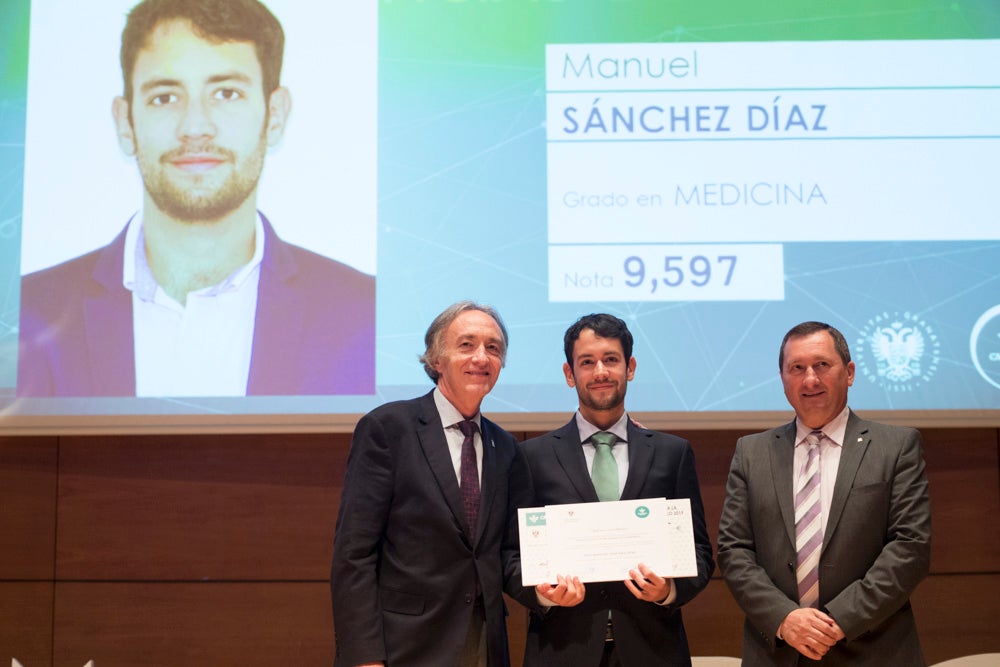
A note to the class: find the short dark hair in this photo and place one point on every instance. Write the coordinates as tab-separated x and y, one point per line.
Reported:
214	20
809	328
434	338
603	325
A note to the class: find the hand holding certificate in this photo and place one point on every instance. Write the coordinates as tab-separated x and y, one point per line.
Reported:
604	541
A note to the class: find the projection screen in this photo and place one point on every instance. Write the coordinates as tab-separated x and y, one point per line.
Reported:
712	172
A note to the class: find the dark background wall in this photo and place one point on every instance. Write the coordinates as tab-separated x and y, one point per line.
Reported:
215	549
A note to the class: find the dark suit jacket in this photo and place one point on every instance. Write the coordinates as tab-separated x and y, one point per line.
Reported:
405	569
554	471
314	331
876	546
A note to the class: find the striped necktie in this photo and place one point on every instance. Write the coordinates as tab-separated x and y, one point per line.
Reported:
809	525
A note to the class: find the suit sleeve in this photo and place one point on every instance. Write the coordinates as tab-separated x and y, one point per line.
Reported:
364	507
905	559
520	494
687	487
764	604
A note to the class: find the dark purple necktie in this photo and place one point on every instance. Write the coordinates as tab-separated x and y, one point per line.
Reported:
469	474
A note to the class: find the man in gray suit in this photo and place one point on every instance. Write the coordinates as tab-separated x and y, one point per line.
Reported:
826	526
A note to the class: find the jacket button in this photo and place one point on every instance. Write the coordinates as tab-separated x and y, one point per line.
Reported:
468	599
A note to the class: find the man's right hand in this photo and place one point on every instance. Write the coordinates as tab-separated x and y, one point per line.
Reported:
810	632
567	592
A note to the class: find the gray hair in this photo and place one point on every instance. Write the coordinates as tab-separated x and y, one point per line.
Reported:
434	338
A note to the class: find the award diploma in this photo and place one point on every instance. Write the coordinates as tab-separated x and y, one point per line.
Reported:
602	541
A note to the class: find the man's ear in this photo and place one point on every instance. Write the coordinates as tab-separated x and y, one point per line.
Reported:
279	105
123	126
568	372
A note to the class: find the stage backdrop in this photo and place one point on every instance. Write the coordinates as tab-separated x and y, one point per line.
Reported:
711	172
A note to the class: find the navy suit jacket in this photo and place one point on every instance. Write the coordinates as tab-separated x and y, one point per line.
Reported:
553	471
876	546
405	569
314	331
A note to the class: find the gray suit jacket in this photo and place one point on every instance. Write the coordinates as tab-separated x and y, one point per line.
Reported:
876	547
406	570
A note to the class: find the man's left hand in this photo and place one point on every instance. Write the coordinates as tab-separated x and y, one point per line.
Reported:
647	585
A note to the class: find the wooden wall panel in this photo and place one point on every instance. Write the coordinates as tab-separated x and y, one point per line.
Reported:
957	615
713	451
144	520
28	475
26	622
517	630
204	624
964	476
199	508
169	624
714	622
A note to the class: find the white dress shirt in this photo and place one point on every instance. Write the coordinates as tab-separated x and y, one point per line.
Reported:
450	416
830	448
202	348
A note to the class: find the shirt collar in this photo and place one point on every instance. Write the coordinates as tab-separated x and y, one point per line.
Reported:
138	277
450	416
834	430
586	429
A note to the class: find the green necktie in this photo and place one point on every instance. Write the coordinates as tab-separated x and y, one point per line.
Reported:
605	470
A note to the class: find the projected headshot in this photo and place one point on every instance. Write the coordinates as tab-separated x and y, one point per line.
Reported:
198	295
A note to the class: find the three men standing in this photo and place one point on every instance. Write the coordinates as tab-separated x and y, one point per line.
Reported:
825	531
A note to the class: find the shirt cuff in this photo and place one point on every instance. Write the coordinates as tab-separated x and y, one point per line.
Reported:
545	602
670	598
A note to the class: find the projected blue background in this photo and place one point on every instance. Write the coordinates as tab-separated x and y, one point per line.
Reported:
462	213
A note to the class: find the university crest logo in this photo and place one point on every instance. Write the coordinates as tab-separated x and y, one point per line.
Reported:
899	351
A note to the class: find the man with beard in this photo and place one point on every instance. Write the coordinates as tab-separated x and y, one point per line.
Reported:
198	296
637	621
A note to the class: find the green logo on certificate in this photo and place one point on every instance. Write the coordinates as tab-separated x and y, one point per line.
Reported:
535	518
642	511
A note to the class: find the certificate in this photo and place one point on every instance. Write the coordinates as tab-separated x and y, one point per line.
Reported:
602	541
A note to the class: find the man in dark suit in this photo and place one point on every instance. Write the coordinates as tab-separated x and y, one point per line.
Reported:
636	622
826	527
198	296
416	577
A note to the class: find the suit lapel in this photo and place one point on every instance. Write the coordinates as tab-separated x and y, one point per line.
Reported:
640	458
856	441
783	475
430	433
488	484
108	323
567	448
276	354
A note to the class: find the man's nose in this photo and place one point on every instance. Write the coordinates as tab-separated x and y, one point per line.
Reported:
197	120
600	369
